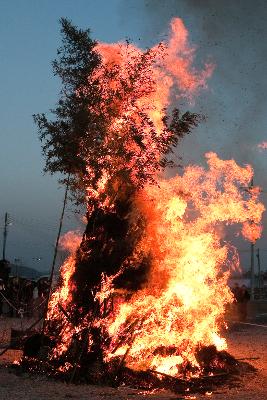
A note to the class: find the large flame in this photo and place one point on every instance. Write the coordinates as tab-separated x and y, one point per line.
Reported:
181	307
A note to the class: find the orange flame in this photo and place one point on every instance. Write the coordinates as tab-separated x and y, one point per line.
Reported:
62	296
182	306
173	69
262	145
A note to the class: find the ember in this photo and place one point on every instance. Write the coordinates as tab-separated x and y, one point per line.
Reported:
143	295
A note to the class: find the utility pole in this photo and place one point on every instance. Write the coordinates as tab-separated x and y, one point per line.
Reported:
252	272
252	245
259	267
5	234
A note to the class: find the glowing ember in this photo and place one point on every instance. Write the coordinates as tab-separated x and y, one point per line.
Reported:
262	145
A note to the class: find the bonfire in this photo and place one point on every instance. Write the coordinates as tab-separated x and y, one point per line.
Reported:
143	294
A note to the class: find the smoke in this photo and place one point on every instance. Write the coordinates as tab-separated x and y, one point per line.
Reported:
233	34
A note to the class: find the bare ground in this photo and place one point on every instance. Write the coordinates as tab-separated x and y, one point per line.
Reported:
244	342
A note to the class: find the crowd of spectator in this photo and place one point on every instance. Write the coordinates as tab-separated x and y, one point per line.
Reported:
20	297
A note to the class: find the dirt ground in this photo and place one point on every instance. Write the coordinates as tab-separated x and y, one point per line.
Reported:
244	341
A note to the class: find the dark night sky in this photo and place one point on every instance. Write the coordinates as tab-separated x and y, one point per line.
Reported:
233	34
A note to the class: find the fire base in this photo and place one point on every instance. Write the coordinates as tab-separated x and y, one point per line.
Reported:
217	368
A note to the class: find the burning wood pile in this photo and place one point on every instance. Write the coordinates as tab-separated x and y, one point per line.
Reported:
142	297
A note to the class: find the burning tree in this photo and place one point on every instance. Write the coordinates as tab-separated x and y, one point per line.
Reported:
146	288
111	134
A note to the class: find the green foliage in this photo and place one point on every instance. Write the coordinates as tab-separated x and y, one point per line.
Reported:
82	139
61	136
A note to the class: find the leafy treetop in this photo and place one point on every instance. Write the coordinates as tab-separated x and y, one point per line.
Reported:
101	132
